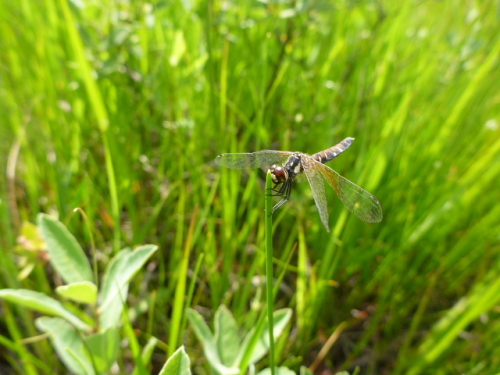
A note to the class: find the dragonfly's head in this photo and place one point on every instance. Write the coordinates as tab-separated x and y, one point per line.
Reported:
279	174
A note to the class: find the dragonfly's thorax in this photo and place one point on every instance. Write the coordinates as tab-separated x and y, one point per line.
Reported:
294	165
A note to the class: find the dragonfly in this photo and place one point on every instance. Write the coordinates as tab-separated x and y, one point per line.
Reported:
287	166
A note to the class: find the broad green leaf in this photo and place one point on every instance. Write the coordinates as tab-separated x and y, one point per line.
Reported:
113	290
278	371
203	333
67	343
281	319
116	279
226	336
103	347
207	339
42	303
83	291
66	255
305	371
177	364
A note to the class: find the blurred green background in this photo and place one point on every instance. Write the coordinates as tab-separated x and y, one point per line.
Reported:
120	107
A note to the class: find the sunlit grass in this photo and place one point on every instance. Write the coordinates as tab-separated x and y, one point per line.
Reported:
121	108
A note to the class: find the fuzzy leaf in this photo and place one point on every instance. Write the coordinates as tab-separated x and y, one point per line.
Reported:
66	255
103	347
177	364
116	279
226	336
207	339
281	319
83	291
67	343
42	303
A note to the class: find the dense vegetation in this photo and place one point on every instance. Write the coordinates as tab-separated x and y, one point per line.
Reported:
120	108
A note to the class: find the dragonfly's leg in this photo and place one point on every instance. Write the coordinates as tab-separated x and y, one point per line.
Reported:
279	204
279	192
284	187
274	188
285	191
288	189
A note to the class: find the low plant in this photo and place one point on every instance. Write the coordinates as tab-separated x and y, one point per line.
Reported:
225	350
86	340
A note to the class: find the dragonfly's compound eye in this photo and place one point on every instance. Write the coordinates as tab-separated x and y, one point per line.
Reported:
279	174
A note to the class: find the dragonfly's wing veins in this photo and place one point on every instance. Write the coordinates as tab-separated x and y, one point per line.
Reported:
357	200
260	159
300	178
318	190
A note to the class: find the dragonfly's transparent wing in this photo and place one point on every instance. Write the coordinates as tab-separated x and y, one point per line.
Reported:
300	178
318	190
360	202
260	159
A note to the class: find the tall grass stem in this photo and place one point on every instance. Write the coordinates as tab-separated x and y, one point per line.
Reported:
269	267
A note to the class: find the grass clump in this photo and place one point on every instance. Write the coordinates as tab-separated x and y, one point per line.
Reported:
121	109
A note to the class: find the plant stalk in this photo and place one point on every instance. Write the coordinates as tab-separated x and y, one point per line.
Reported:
269	267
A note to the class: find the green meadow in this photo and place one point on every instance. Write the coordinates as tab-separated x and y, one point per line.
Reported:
111	116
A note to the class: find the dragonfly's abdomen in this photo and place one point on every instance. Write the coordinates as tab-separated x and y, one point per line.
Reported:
332	152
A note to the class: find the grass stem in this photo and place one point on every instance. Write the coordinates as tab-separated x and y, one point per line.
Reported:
269	268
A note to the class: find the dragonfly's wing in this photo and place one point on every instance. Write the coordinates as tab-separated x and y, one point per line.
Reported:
318	190
260	159
360	202
300	178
